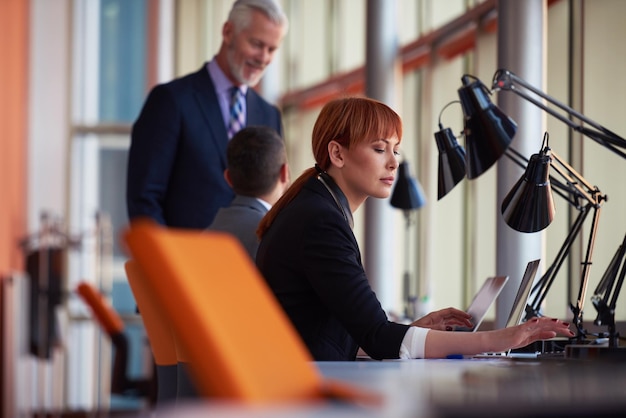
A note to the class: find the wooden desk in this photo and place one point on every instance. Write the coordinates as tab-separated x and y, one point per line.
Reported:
457	388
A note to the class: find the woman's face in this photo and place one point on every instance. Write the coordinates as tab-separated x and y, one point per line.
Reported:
369	169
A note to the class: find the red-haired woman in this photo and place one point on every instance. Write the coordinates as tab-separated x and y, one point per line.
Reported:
311	260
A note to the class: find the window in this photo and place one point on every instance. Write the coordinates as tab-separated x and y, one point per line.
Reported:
109	61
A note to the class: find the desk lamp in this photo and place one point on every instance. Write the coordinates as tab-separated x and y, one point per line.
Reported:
537	219
451	158
529	207
488	131
408	196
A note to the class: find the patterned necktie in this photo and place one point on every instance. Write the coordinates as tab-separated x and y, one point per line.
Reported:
237	119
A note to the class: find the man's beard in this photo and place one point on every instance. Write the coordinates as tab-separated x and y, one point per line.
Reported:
238	71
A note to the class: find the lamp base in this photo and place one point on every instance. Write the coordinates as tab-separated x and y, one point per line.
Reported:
594	352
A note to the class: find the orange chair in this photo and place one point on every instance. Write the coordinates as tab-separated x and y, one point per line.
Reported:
160	335
241	345
113	325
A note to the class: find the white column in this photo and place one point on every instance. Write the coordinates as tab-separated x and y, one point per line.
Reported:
381	76
521	45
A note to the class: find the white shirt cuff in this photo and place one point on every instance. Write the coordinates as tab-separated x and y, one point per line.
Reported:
414	343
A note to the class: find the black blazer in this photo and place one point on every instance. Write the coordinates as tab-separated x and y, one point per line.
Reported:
312	262
177	154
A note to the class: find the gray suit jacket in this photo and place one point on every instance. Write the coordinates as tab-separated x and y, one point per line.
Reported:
241	219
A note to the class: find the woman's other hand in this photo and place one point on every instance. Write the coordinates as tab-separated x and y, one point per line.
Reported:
444	320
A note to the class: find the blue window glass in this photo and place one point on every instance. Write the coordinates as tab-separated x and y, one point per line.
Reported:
123	38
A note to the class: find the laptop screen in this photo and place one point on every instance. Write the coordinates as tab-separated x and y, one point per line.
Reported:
483	300
521	299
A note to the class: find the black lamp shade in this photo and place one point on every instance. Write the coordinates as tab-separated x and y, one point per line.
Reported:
407	193
451	161
488	131
529	206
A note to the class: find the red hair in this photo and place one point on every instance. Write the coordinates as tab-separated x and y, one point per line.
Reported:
348	121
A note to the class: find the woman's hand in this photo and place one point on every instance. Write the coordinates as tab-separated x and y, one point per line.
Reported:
444	320
440	344
534	329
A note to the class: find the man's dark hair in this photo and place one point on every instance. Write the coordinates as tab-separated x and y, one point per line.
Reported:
255	156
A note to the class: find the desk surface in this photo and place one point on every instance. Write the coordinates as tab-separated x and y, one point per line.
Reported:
458	388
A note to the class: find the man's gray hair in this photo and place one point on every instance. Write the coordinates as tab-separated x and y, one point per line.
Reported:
241	13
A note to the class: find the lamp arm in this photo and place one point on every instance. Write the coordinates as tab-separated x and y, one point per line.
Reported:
603	300
574	179
594	198
506	80
444	108
605	286
406	279
542	287
517	157
620	281
582	291
544	284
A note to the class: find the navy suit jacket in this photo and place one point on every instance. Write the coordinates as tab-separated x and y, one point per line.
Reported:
177	153
312	262
241	219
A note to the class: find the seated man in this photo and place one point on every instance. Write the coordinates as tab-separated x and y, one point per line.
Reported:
257	171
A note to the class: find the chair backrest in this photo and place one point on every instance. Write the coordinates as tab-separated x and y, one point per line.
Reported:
104	313
240	343
160	335
158	329
113	325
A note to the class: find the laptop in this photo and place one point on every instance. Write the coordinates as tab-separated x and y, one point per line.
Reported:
518	310
519	307
484	298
